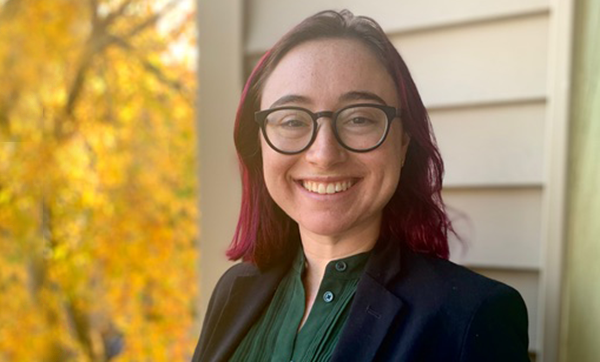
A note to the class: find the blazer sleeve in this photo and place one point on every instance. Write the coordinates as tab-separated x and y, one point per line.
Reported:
498	329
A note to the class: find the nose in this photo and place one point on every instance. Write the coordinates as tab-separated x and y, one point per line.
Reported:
325	151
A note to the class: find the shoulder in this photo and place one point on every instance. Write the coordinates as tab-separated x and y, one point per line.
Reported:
439	280
217	302
493	322
478	318
237	270
226	281
498	324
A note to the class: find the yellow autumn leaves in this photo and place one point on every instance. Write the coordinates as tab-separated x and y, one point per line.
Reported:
97	183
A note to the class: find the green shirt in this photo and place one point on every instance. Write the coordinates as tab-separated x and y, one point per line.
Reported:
275	336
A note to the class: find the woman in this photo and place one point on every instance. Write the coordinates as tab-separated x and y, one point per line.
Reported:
342	228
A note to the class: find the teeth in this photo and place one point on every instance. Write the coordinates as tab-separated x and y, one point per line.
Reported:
321	188
326	188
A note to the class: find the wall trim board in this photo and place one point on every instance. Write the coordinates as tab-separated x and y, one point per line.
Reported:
554	196
220	29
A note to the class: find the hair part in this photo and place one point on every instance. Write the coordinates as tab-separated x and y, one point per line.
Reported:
415	215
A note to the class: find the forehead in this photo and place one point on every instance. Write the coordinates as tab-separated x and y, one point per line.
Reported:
322	71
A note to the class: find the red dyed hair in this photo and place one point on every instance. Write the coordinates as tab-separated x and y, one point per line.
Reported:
415	215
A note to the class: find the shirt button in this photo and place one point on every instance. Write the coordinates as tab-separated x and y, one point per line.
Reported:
341	266
328	297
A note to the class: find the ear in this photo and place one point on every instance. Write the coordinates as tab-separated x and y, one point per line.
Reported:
405	142
404	147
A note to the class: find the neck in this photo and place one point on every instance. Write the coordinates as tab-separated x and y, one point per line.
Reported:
319	250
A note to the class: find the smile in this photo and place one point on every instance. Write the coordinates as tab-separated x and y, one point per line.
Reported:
323	188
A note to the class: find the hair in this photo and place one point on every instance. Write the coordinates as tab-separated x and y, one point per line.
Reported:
415	215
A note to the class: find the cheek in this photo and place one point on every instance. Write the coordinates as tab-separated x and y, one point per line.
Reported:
276	169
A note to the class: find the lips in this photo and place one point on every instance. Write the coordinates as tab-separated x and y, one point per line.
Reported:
329	188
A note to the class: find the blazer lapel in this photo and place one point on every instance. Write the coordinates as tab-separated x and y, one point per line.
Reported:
373	310
249	296
374	307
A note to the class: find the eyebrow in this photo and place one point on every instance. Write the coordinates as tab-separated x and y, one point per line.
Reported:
361	95
290	98
346	97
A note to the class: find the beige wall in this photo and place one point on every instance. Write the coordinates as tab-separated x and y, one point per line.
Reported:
581	312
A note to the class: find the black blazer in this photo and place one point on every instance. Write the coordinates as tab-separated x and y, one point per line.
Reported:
407	307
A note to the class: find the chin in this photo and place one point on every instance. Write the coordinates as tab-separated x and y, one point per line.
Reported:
324	228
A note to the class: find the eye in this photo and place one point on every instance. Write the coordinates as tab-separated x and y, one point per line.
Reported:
359	121
292	123
289	119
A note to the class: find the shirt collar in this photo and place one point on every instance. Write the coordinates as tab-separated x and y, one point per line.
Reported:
350	267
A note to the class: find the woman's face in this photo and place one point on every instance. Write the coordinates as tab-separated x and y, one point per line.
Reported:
326	75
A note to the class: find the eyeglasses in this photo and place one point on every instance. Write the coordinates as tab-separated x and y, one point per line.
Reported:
358	127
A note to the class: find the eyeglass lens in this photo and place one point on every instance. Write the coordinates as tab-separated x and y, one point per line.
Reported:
358	128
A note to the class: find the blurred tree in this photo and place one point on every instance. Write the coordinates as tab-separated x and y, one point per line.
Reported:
97	182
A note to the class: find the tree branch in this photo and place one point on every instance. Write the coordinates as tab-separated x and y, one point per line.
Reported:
99	40
94	11
152	20
6	106
78	81
110	18
151	68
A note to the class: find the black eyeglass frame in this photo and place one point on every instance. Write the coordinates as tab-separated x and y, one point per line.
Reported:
391	113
